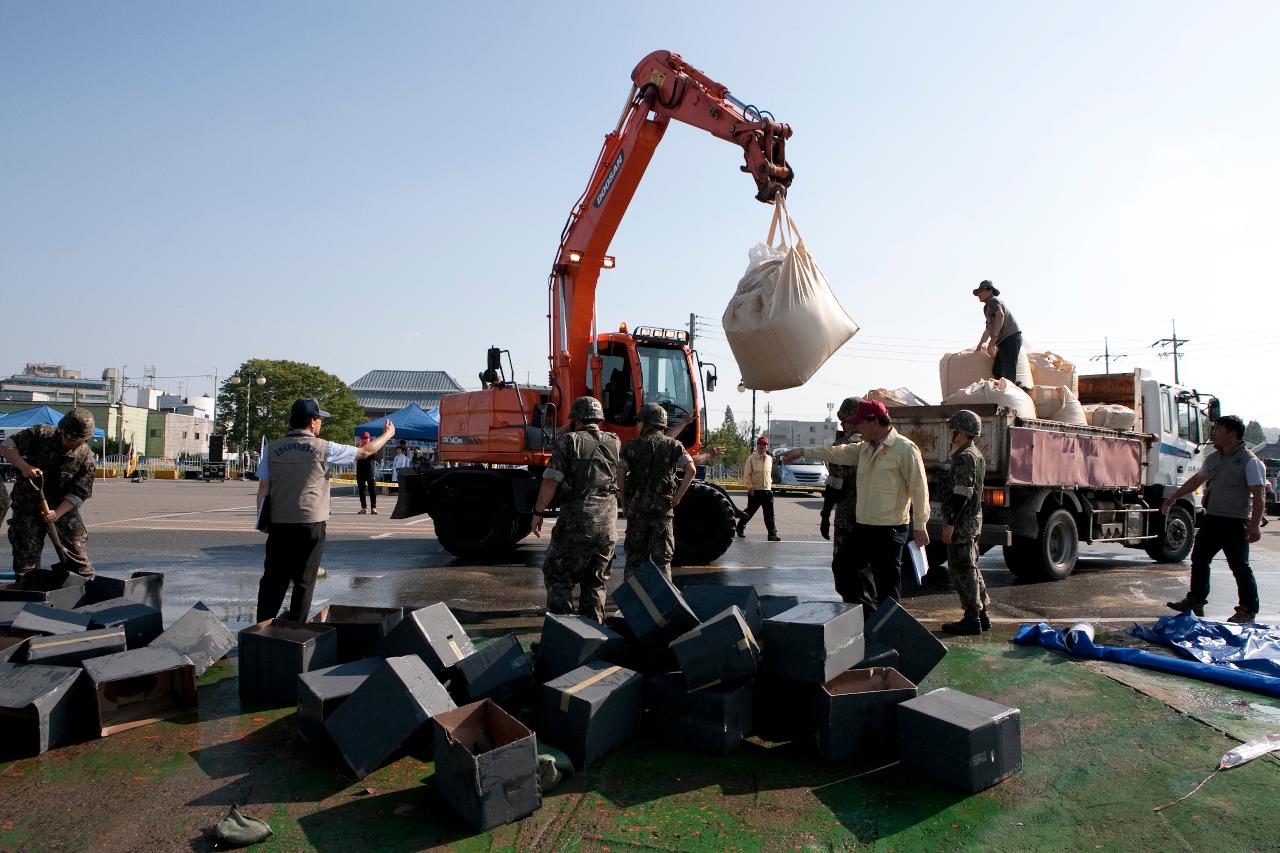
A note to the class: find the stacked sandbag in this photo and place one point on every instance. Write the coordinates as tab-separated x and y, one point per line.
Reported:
1111	416
1058	403
1002	392
961	369
784	321
895	397
1051	369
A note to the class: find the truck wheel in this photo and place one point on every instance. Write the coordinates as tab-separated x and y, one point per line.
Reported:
476	518
704	525
1176	539
1049	556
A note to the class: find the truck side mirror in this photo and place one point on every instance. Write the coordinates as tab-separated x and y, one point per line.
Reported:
711	381
1215	408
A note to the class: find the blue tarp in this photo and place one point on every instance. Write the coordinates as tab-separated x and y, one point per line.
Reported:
16	421
1253	648
413	423
1079	645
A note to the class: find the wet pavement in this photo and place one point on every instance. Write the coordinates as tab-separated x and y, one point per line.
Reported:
201	536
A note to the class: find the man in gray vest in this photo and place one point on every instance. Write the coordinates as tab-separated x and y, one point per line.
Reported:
1001	335
1233	506
293	491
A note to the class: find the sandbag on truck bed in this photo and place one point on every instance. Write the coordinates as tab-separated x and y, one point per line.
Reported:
1001	392
784	321
961	369
1057	403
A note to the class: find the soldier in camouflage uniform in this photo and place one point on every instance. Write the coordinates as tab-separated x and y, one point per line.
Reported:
962	512
650	494
841	495
59	457
583	477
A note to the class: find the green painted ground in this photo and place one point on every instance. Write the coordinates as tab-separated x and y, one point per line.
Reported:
1098	756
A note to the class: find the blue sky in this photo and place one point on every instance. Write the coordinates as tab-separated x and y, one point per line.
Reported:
382	185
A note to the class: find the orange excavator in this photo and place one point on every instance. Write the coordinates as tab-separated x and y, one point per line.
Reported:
497	441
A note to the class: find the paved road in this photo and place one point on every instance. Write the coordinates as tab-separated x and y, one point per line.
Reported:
201	535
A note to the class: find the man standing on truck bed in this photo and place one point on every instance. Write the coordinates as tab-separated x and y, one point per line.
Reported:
1001	335
584	471
841	495
890	482
650	493
962	510
1232	517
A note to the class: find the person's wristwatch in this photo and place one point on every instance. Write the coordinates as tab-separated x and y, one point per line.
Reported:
538	512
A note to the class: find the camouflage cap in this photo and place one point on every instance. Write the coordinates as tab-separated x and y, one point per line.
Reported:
586	409
77	423
966	422
652	413
848	407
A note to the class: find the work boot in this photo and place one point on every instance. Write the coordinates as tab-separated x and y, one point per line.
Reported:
742	532
773	537
984	619
1242	616
969	626
362	511
373	511
1186	604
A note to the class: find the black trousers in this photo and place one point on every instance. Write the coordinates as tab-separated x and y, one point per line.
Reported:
1006	364
870	566
1230	536
293	557
364	481
759	499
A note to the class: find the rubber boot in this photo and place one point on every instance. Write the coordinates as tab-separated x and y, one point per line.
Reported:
969	626
984	619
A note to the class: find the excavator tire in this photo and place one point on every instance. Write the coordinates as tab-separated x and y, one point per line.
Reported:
704	525
476	519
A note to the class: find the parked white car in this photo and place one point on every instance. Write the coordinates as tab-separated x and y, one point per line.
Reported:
801	475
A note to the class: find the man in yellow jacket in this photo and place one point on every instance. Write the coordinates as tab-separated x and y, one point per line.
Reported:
891	482
758	473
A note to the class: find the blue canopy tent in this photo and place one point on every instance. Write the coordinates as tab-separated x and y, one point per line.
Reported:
20	420
413	423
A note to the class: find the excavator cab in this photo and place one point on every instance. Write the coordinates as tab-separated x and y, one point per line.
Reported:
650	366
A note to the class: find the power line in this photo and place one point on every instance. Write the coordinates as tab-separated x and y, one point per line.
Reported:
1107	356
1175	341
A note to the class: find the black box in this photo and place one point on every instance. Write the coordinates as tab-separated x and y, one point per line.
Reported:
42	619
959	739
486	765
568	642
433	634
141	623
383	714
142	587
39	708
64	590
918	650
497	671
275	652
12	647
361	630
139	687
706	600
713	721
879	654
857	714
8	611
815	641
322	691
653	607
199	635
772	605
72	649
720	649
783	709
591	710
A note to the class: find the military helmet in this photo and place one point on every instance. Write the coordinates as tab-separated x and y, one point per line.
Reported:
586	409
652	413
77	423
966	422
848	407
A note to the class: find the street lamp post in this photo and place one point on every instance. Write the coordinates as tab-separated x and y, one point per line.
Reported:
741	388
248	396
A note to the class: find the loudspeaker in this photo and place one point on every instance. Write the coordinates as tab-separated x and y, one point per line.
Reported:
215	448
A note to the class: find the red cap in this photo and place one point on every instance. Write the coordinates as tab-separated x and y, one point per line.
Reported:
762	440
869	410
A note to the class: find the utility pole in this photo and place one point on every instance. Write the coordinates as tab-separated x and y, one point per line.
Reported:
693	324
1175	342
1107	356
768	416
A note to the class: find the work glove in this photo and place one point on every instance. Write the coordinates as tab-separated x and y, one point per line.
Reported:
824	527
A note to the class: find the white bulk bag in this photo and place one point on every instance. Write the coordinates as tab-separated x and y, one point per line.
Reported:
1111	416
1057	403
896	397
961	369
784	322
1051	369
1001	392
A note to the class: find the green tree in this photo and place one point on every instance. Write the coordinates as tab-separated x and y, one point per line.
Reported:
731	437
269	403
1253	434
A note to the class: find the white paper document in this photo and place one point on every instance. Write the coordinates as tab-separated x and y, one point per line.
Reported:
918	561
